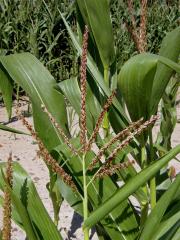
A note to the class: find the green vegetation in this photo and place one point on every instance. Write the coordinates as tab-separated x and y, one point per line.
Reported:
141	79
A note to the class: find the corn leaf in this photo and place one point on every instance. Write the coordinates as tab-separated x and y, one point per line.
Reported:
157	213
129	188
168	228
176	236
97	16
71	90
170	48
35	79
136	80
9	129
135	83
6	88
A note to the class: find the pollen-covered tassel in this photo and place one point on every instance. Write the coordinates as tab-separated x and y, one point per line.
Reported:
110	170
126	142
138	129
132	30
6	231
121	135
83	128
48	159
142	29
100	120
60	130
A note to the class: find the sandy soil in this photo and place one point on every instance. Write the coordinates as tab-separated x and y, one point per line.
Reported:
24	151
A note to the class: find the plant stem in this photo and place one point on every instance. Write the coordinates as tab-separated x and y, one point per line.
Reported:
144	214
143	158
85	199
106	121
144	203
153	180
153	192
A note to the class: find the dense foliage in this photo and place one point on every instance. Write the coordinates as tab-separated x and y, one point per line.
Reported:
89	185
36	27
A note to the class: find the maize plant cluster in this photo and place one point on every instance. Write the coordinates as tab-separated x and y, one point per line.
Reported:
117	110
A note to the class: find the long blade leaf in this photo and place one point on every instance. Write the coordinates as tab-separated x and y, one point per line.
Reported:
9	129
6	88
130	187
170	48
35	79
98	17
157	213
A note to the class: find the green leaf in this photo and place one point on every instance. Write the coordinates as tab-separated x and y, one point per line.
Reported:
26	201
170	48
168	228
71	90
6	88
176	236
136	80
13	130
97	76
35	79
74	200
129	188
98	18
157	213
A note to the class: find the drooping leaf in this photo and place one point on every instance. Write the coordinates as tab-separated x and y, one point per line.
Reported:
131	186
35	79
9	129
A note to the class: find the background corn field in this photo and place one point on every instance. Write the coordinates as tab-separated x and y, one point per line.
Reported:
35	26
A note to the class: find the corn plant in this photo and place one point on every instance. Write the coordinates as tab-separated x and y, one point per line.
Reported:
85	180
35	26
